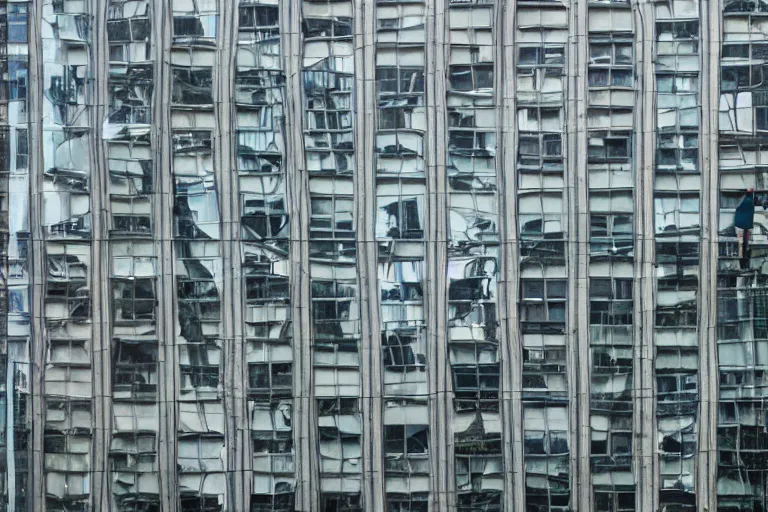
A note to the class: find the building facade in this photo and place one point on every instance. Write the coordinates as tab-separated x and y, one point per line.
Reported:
383	255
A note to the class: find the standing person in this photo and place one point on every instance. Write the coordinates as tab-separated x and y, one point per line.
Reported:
744	220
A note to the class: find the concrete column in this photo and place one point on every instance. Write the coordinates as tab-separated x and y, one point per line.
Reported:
36	500
367	251
101	338
709	82
233	352
644	438
436	286
579	353
510	344
168	372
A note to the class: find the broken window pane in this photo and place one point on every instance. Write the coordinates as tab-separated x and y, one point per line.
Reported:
194	23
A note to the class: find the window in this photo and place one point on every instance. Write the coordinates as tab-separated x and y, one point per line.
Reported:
611	359
739	76
323	119
339	440
135	369
605	288
200	292
194	27
71	445
340	405
609	147
761	117
485	501
327	28
543	305
279	444
406	439
398	351
69	351
399	80
399	151
611	436
130	169
195	207
610	64
130	96
610	301
540	71
611	234
259	151
283	502
200	503
258	16
685	30
467	142
262	88
67	294
393	118
540	119
400	281
618	53
17	78
133	259
199	454
613	500
134	299
541	215
331	502
677	388
536	358
268	376
264	217
17	22
470	279
676	213
672	84
735	51
192	86
332	217
199	365
545	431
679	315
199	376
399	217
328	136
476	382
541	56
131	215
22	149
132	451
677	152
471	77
128	30
334	311
414	502
678	262
267	289
541	152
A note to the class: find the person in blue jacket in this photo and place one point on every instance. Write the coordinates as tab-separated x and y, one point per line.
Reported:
744	221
